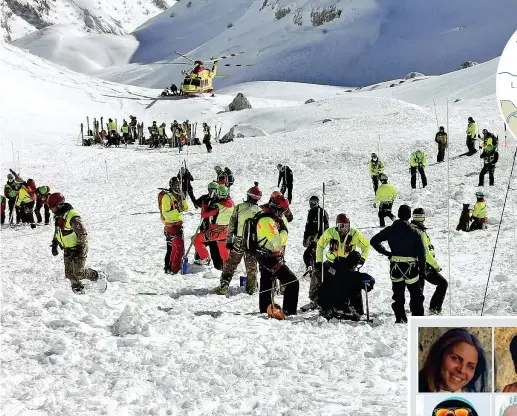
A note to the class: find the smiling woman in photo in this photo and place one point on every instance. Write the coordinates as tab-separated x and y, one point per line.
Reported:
456	363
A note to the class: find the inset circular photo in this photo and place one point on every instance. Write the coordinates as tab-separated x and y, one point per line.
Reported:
505	405
506	85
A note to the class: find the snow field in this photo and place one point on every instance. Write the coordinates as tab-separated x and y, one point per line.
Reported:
162	345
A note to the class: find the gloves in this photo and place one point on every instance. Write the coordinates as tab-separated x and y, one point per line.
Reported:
361	261
229	245
439	269
375	205
55	251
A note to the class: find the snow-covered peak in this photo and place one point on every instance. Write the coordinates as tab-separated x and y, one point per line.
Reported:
338	42
19	18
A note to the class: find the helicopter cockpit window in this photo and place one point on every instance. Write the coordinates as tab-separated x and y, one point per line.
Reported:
195	82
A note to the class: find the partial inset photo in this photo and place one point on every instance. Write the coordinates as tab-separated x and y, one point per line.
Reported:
457	405
505	348
505	405
454	360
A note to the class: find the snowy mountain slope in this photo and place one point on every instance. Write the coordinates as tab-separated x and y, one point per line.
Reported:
341	42
60	355
370	41
70	47
19	18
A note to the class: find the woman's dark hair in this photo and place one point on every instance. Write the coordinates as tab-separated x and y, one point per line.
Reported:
430	379
513	349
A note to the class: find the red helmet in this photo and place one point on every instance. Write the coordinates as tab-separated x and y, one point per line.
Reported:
254	193
31	184
55	199
279	201
343	223
342	219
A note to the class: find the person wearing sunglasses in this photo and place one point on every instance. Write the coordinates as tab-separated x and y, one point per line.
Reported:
341	241
455	406
456	362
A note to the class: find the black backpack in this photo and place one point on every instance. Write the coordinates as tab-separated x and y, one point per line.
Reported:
229	176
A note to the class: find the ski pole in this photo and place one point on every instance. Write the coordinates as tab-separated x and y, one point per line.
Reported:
12	211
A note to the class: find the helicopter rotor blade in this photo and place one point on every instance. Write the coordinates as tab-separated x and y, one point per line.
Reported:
238	65
212	59
184	56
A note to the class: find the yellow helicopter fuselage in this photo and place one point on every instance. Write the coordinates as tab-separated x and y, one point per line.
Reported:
198	82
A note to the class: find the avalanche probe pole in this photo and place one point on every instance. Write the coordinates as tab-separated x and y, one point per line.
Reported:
322	262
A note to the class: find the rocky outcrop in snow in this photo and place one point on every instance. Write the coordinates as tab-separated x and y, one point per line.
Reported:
240	102
413	74
228	137
467	64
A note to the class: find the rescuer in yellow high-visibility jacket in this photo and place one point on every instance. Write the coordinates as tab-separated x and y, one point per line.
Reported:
385	197
71	236
172	205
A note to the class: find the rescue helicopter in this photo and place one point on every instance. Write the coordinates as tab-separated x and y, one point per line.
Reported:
199	79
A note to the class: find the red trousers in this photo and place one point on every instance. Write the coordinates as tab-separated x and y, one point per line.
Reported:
215	234
175	248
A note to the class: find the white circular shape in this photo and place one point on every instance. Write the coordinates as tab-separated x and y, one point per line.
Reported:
506	85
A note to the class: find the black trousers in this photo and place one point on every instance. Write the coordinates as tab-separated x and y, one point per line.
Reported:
215	255
385	211
476	225
309	255
471	145
441	153
27	212
12	206
490	169
271	268
340	291
375	180
435	278
190	192
289	188
40	204
406	271
421	171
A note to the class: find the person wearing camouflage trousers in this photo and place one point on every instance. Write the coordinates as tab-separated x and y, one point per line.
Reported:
243	211
71	236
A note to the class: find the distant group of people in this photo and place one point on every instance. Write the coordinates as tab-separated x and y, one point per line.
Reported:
24	199
182	134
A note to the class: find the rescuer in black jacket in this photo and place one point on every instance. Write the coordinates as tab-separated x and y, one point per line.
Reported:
407	263
317	223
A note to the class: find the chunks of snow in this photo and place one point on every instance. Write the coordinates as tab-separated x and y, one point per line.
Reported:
379	350
117	273
131	321
501	278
